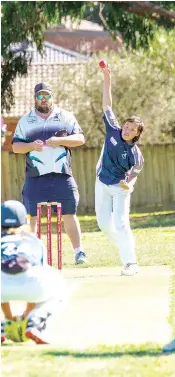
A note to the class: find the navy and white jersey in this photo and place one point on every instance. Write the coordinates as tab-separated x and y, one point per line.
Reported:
32	127
118	160
21	252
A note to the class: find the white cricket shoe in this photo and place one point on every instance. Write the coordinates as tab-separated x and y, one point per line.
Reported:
170	347
35	329
130	269
80	258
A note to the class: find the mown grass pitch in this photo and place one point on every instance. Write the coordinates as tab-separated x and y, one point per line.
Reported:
155	240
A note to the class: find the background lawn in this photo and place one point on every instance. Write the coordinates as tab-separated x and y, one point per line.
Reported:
155	240
154	234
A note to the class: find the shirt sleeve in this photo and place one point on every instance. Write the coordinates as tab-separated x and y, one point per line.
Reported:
136	169
110	120
36	251
19	134
75	127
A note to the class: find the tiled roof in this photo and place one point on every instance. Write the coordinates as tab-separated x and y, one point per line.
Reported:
56	54
51	53
46	68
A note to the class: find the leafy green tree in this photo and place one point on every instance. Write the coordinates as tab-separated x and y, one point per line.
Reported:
25	22
136	21
143	84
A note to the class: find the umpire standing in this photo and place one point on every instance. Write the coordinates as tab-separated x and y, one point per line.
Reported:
46	135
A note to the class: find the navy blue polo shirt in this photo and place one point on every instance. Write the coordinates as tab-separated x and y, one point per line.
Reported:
118	160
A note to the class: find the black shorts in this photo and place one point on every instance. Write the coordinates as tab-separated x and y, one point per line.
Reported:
51	187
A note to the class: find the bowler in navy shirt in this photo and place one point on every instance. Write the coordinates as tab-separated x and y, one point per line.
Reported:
119	164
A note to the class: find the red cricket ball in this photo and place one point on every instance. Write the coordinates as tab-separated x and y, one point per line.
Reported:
103	64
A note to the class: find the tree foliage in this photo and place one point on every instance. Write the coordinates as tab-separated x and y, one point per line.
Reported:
25	22
142	84
137	21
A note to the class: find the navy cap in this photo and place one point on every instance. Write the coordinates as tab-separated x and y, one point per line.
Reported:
13	214
42	86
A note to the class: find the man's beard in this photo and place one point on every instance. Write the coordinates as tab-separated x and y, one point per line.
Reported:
44	110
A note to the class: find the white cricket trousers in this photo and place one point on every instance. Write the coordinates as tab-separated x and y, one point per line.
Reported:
43	285
112	206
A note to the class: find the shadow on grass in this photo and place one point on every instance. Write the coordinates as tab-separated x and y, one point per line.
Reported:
115	354
119	351
148	221
89	223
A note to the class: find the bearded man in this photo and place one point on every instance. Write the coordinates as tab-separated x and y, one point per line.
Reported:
46	135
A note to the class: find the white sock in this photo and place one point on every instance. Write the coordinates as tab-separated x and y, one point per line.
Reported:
78	249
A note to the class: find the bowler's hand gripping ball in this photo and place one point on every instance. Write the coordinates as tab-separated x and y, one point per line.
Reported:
103	64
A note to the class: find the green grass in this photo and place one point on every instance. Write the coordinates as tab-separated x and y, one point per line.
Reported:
154	234
142	220
155	240
130	361
154	247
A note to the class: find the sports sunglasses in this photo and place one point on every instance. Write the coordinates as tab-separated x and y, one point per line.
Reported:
41	96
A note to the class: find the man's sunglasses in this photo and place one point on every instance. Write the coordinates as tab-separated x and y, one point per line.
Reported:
41	96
